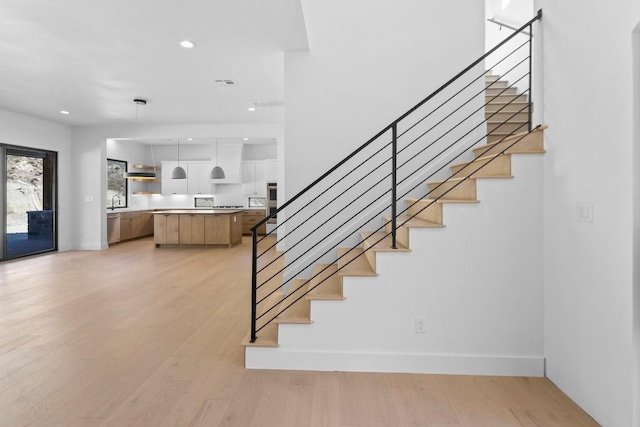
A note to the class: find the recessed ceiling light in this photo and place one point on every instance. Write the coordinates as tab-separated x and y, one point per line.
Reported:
251	109
187	44
64	112
245	139
189	139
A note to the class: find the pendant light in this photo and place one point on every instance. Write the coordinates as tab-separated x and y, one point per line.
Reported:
217	172
146	175
178	172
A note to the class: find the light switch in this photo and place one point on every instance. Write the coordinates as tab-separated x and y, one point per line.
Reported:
584	212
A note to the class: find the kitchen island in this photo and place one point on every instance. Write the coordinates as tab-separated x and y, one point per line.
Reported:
211	227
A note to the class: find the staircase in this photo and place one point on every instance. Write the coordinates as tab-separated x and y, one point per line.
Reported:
492	162
471	289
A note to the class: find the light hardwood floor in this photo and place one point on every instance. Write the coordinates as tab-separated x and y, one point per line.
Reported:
138	336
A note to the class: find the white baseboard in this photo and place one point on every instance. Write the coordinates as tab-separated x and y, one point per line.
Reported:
270	358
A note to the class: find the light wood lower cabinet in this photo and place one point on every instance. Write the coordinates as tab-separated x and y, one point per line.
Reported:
135	224
192	229
251	217
217	230
166	229
198	229
146	226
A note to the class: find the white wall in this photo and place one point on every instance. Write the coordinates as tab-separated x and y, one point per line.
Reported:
366	66
587	103
25	131
636	221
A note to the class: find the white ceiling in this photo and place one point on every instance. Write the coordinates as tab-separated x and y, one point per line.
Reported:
92	58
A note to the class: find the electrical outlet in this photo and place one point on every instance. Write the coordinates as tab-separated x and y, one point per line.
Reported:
421	324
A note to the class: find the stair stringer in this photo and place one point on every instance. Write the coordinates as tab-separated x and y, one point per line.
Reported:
478	281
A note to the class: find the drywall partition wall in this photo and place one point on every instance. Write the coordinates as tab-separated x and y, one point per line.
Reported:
18	129
367	64
89	154
588	203
636	223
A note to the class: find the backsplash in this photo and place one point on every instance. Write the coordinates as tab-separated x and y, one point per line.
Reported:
226	195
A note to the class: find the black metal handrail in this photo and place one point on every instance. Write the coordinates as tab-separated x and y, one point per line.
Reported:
388	198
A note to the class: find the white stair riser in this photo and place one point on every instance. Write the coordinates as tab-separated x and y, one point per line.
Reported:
530	143
453	190
507	127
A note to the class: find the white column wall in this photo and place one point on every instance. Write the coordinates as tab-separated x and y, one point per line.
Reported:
587	103
636	220
367	65
25	131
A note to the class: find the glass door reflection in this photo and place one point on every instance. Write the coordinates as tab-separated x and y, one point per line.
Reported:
29	205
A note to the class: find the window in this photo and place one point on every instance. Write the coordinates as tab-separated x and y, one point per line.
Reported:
28	206
116	184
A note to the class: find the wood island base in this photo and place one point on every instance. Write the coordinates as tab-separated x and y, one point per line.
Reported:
210	227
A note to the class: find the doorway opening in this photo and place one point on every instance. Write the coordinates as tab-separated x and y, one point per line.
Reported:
29	201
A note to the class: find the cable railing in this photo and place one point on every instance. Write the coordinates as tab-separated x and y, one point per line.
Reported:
356	205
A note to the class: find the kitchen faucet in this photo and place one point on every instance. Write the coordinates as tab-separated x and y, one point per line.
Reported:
112	204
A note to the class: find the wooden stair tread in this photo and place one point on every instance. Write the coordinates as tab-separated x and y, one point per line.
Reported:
450	180
266	337
498	101
380	241
492	177
511	121
521	134
478	160
441	201
294	311
415	222
326	285
352	262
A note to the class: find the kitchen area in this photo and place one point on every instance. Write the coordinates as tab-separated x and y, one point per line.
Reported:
164	188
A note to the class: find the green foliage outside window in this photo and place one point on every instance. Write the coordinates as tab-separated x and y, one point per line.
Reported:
116	184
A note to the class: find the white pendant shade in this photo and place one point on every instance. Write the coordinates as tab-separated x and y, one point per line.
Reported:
178	173
217	173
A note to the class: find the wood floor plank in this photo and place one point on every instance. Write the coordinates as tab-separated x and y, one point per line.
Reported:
354	410
135	335
326	400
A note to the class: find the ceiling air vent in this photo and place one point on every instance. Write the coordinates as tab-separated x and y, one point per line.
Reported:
263	104
226	82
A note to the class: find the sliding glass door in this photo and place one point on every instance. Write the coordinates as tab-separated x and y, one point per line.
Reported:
28	220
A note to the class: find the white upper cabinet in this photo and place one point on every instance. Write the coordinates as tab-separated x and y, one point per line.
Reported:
271	170
198	177
173	186
254	181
